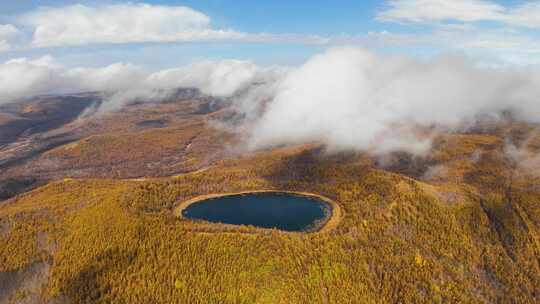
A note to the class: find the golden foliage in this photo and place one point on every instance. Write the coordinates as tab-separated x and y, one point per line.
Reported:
399	242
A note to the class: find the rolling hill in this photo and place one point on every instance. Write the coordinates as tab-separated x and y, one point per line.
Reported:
91	220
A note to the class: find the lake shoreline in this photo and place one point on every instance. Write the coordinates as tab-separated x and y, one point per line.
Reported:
329	223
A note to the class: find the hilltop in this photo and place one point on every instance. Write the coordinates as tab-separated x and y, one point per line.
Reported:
90	218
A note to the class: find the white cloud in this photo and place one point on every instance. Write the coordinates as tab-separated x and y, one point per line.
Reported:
500	46
134	23
222	78
9	35
347	98
350	98
523	158
80	25
124	82
114	77
440	10
23	77
526	14
119	23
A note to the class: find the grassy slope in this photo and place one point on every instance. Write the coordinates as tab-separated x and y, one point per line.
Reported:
141	140
401	240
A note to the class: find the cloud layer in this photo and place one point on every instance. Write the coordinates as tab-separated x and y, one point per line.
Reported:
119	23
425	11
353	99
23	77
124	82
79	25
451	25
347	98
495	32
9	36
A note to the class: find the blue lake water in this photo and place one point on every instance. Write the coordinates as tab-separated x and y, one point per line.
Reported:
266	210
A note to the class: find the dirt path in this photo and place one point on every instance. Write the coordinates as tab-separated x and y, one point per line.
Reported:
193	172
144	179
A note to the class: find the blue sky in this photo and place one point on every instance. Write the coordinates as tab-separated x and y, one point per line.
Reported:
315	16
505	31
307	17
303	54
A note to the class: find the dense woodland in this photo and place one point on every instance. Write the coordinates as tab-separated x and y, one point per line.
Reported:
465	234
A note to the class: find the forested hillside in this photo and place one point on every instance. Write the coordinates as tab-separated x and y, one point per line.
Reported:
469	235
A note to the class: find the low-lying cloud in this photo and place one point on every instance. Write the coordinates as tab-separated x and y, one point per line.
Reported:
346	98
124	82
349	98
23	77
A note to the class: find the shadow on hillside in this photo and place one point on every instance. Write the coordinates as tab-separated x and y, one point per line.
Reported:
312	167
24	285
87	285
404	163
